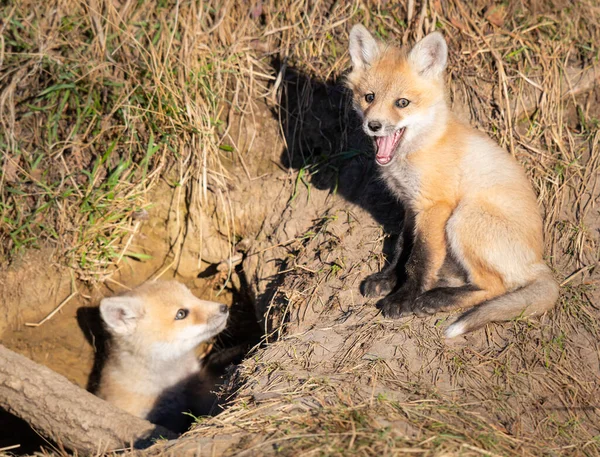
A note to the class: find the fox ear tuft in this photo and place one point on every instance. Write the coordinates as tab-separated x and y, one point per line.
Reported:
121	314
363	47
430	55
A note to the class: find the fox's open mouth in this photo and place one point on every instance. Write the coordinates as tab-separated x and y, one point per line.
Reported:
386	146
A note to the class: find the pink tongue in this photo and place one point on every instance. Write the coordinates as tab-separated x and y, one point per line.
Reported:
385	146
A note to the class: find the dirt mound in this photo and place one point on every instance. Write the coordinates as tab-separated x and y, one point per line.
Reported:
337	377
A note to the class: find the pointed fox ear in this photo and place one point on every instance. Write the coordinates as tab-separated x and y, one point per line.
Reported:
363	47
121	314
430	55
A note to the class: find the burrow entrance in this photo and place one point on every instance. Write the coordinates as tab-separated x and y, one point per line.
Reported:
271	206
53	319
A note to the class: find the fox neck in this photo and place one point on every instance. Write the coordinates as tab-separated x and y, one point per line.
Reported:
150	370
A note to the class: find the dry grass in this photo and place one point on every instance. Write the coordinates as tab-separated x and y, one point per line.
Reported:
518	68
100	99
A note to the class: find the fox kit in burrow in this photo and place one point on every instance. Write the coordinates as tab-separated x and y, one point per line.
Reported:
469	202
152	370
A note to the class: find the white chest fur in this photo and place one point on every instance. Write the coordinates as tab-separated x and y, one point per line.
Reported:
403	179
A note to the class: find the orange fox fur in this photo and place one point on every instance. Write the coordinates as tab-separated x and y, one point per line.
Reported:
152	370
469	200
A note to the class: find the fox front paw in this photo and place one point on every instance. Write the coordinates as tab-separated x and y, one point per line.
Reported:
378	284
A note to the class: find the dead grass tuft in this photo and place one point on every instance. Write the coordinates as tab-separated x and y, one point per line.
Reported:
98	101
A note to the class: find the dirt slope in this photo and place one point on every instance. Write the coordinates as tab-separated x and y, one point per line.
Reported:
337	378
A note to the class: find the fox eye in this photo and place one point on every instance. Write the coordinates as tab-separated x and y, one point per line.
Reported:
402	103
181	314
370	97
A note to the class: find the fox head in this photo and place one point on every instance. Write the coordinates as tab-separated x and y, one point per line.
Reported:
399	94
162	319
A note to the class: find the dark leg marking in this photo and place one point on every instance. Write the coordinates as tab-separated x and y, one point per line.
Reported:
383	282
442	299
401	302
452	274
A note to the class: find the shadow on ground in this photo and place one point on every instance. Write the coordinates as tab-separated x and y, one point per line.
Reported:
326	144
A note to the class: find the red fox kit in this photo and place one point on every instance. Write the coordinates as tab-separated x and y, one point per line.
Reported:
152	370
468	200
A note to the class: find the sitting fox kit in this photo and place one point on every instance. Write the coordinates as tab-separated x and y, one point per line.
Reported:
469	202
152	370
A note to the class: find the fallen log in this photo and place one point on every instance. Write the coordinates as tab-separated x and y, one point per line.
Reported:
67	414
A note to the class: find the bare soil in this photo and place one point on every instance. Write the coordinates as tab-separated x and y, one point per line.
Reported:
330	352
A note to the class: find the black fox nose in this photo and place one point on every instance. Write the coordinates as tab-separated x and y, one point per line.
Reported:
224	309
374	126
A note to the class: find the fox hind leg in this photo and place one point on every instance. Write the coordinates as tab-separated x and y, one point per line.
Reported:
451	298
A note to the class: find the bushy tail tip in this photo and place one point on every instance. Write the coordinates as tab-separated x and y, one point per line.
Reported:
535	298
